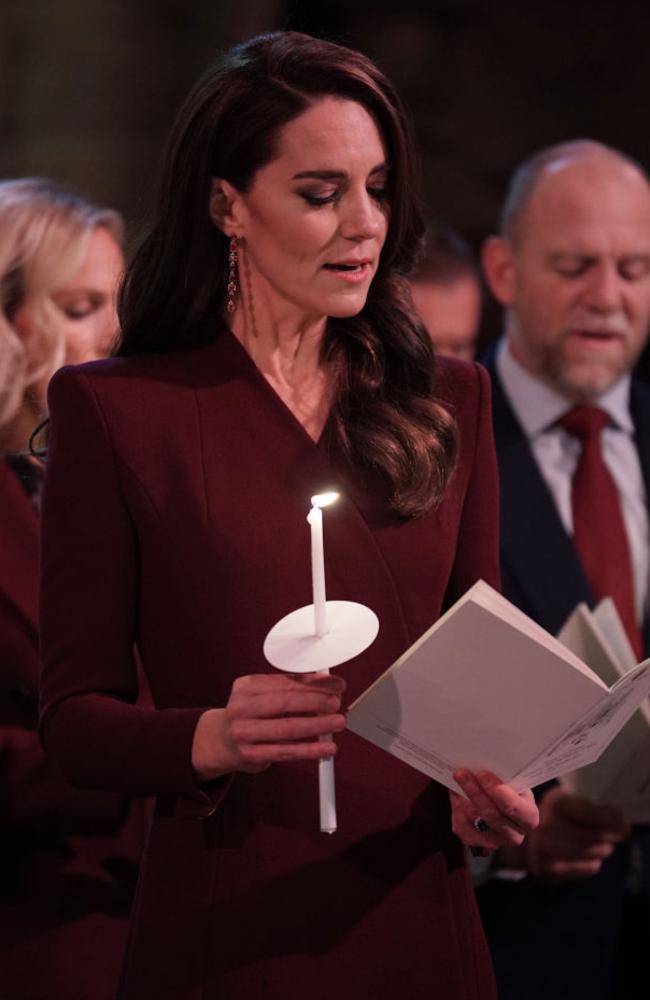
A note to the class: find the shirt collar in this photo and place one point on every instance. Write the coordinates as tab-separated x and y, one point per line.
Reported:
538	406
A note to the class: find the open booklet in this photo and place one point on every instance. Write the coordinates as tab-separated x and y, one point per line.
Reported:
486	687
621	775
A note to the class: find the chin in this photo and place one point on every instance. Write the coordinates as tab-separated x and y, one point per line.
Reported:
587	382
345	306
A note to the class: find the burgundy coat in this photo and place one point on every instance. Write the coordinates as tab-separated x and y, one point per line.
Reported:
175	512
67	859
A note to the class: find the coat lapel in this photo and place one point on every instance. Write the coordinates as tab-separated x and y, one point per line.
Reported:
539	562
268	445
640	409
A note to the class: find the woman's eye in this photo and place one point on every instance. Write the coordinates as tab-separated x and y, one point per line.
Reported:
77	312
78	308
318	198
378	193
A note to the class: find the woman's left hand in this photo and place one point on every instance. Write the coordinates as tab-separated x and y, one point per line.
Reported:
507	816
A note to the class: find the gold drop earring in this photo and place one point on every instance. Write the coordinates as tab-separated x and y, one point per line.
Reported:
232	274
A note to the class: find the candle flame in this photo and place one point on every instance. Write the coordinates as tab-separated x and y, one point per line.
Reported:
324	499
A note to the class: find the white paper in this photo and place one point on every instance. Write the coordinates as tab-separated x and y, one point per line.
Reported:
621	775
486	687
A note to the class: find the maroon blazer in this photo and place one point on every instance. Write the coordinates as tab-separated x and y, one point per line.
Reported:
66	877
174	513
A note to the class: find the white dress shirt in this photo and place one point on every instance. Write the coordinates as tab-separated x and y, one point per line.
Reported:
538	407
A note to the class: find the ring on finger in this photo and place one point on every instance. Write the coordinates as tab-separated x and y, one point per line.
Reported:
481	826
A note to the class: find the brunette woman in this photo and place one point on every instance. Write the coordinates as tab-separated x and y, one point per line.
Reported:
269	351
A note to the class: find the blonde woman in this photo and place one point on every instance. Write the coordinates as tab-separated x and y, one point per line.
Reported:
66	856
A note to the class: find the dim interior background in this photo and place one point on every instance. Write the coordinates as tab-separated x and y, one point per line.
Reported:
90	86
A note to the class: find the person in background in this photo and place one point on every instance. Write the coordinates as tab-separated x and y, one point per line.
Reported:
67	857
567	915
269	352
447	293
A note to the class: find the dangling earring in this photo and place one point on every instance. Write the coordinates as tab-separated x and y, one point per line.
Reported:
232	274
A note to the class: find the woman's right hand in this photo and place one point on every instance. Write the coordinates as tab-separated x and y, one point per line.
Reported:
269	718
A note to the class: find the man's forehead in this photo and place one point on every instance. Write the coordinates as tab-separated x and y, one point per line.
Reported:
590	188
607	213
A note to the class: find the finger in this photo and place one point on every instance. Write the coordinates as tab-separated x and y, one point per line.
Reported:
260	683
571	851
577	838
323	679
462	822
563	871
289	701
518	809
259	755
497	803
285	730
594	815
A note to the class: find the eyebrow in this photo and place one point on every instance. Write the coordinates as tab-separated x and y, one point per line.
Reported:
578	255
334	175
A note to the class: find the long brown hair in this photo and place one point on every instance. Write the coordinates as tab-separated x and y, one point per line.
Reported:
173	295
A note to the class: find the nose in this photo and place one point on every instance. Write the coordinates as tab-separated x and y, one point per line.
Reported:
603	292
362	217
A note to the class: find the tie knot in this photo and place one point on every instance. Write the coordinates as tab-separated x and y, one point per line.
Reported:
584	422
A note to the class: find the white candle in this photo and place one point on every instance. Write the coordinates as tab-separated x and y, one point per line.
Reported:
326	786
315	519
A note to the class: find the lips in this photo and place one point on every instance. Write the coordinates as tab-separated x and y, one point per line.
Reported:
596	337
347	265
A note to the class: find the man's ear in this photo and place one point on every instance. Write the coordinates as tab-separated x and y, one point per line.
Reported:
498	262
225	207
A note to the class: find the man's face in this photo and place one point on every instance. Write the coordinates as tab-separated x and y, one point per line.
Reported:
579	290
451	313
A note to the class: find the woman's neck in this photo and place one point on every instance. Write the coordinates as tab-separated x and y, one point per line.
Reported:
287	350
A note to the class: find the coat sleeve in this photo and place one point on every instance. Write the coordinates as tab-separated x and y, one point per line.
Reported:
88	606
477	553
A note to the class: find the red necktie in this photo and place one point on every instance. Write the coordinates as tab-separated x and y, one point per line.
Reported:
598	527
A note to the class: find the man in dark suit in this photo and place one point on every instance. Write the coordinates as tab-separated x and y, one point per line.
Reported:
567	914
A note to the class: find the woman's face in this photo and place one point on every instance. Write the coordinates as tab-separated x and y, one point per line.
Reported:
86	304
315	219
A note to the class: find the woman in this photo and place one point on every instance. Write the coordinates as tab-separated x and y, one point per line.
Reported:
268	353
67	857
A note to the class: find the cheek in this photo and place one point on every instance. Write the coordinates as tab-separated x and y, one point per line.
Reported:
24	324
278	237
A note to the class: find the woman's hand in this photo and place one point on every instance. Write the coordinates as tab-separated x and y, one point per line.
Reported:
507	815
269	718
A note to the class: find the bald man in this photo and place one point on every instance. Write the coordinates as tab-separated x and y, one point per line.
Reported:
567	915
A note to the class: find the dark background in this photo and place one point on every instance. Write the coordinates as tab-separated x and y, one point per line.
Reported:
89	87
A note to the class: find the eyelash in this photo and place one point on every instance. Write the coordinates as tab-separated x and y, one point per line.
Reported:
79	313
378	193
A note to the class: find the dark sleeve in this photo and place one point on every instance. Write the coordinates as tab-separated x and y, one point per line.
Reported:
477	553
89	600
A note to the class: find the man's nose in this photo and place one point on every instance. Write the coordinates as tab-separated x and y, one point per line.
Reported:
604	289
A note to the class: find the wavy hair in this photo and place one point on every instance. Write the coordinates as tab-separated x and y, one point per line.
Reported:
174	291
42	230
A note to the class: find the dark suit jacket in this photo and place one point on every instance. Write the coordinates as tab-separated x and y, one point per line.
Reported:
65	876
576	925
174	511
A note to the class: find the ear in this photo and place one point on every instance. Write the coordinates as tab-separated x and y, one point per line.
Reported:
226	207
497	258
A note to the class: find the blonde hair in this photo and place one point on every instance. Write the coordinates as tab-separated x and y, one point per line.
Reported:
43	233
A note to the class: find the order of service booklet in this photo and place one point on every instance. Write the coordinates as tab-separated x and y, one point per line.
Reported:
486	687
621	775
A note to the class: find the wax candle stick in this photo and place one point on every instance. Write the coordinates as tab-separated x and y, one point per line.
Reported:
326	786
315	519
327	793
